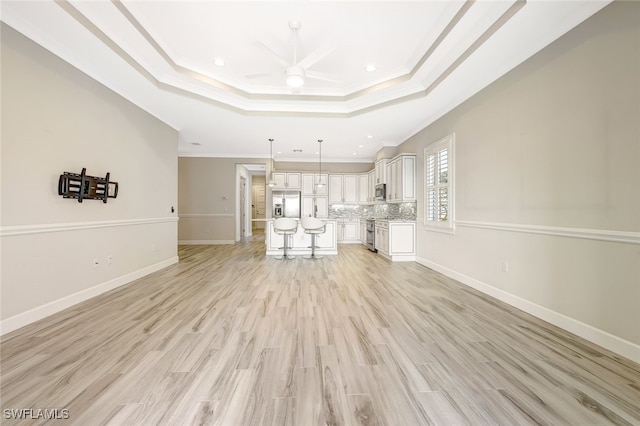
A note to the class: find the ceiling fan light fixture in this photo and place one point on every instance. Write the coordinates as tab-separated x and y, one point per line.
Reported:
295	77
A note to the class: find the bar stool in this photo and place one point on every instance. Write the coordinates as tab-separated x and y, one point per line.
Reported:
313	226
285	226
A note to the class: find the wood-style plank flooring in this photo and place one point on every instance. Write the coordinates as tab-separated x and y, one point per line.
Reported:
231	337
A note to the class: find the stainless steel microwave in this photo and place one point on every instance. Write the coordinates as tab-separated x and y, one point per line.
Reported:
381	192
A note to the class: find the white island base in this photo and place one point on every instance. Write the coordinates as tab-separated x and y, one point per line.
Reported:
298	244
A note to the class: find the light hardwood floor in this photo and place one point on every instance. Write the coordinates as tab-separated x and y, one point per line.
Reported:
231	337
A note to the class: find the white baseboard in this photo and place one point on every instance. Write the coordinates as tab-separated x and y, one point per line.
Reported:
599	337
25	318
204	242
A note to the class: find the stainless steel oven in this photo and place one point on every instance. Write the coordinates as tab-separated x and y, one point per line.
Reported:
371	234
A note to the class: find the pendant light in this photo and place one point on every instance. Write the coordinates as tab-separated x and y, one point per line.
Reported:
271	181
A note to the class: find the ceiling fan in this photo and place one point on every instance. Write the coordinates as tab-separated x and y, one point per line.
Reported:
296	71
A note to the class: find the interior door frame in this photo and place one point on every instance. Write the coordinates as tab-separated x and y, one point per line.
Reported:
243	171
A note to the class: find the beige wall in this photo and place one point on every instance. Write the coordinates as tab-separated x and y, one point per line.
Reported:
57	119
552	148
208	198
326	167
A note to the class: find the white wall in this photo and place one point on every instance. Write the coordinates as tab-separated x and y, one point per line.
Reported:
548	180
57	119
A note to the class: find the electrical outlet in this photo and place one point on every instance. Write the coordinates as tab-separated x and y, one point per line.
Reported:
505	266
96	263
154	247
110	259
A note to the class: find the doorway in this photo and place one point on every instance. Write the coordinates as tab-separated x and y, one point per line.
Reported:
249	215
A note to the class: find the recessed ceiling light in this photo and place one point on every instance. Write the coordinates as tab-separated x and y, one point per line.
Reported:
360	146
279	152
219	62
370	68
355	153
369	136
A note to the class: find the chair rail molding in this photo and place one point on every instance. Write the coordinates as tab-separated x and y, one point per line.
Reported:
626	237
15	230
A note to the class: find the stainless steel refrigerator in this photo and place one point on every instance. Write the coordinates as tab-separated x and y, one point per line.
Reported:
286	203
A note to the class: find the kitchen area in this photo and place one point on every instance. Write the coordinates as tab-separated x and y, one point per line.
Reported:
376	209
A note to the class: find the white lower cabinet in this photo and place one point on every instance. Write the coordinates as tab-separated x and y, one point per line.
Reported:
348	230
382	237
396	240
402	241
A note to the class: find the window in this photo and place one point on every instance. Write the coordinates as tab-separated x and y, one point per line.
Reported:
438	185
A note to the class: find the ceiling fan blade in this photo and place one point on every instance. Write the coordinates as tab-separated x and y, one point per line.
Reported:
322	76
275	55
315	56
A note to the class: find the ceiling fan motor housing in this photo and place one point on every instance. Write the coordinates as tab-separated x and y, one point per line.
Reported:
295	76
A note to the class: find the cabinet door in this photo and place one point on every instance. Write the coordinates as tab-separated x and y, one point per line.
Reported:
322	206
308	183
390	182
294	180
306	205
323	180
350	231
382	240
397	180
335	189
372	185
408	178
280	180
363	186
402	237
350	188
385	241
381	171
394	181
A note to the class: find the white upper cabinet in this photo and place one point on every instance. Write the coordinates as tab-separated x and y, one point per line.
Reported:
363	189
314	183
343	189
308	184
335	189
380	171
350	189
401	178
371	186
287	180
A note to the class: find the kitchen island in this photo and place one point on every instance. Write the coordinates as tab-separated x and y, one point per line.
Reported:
299	242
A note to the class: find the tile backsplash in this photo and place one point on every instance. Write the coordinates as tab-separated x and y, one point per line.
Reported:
401	211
